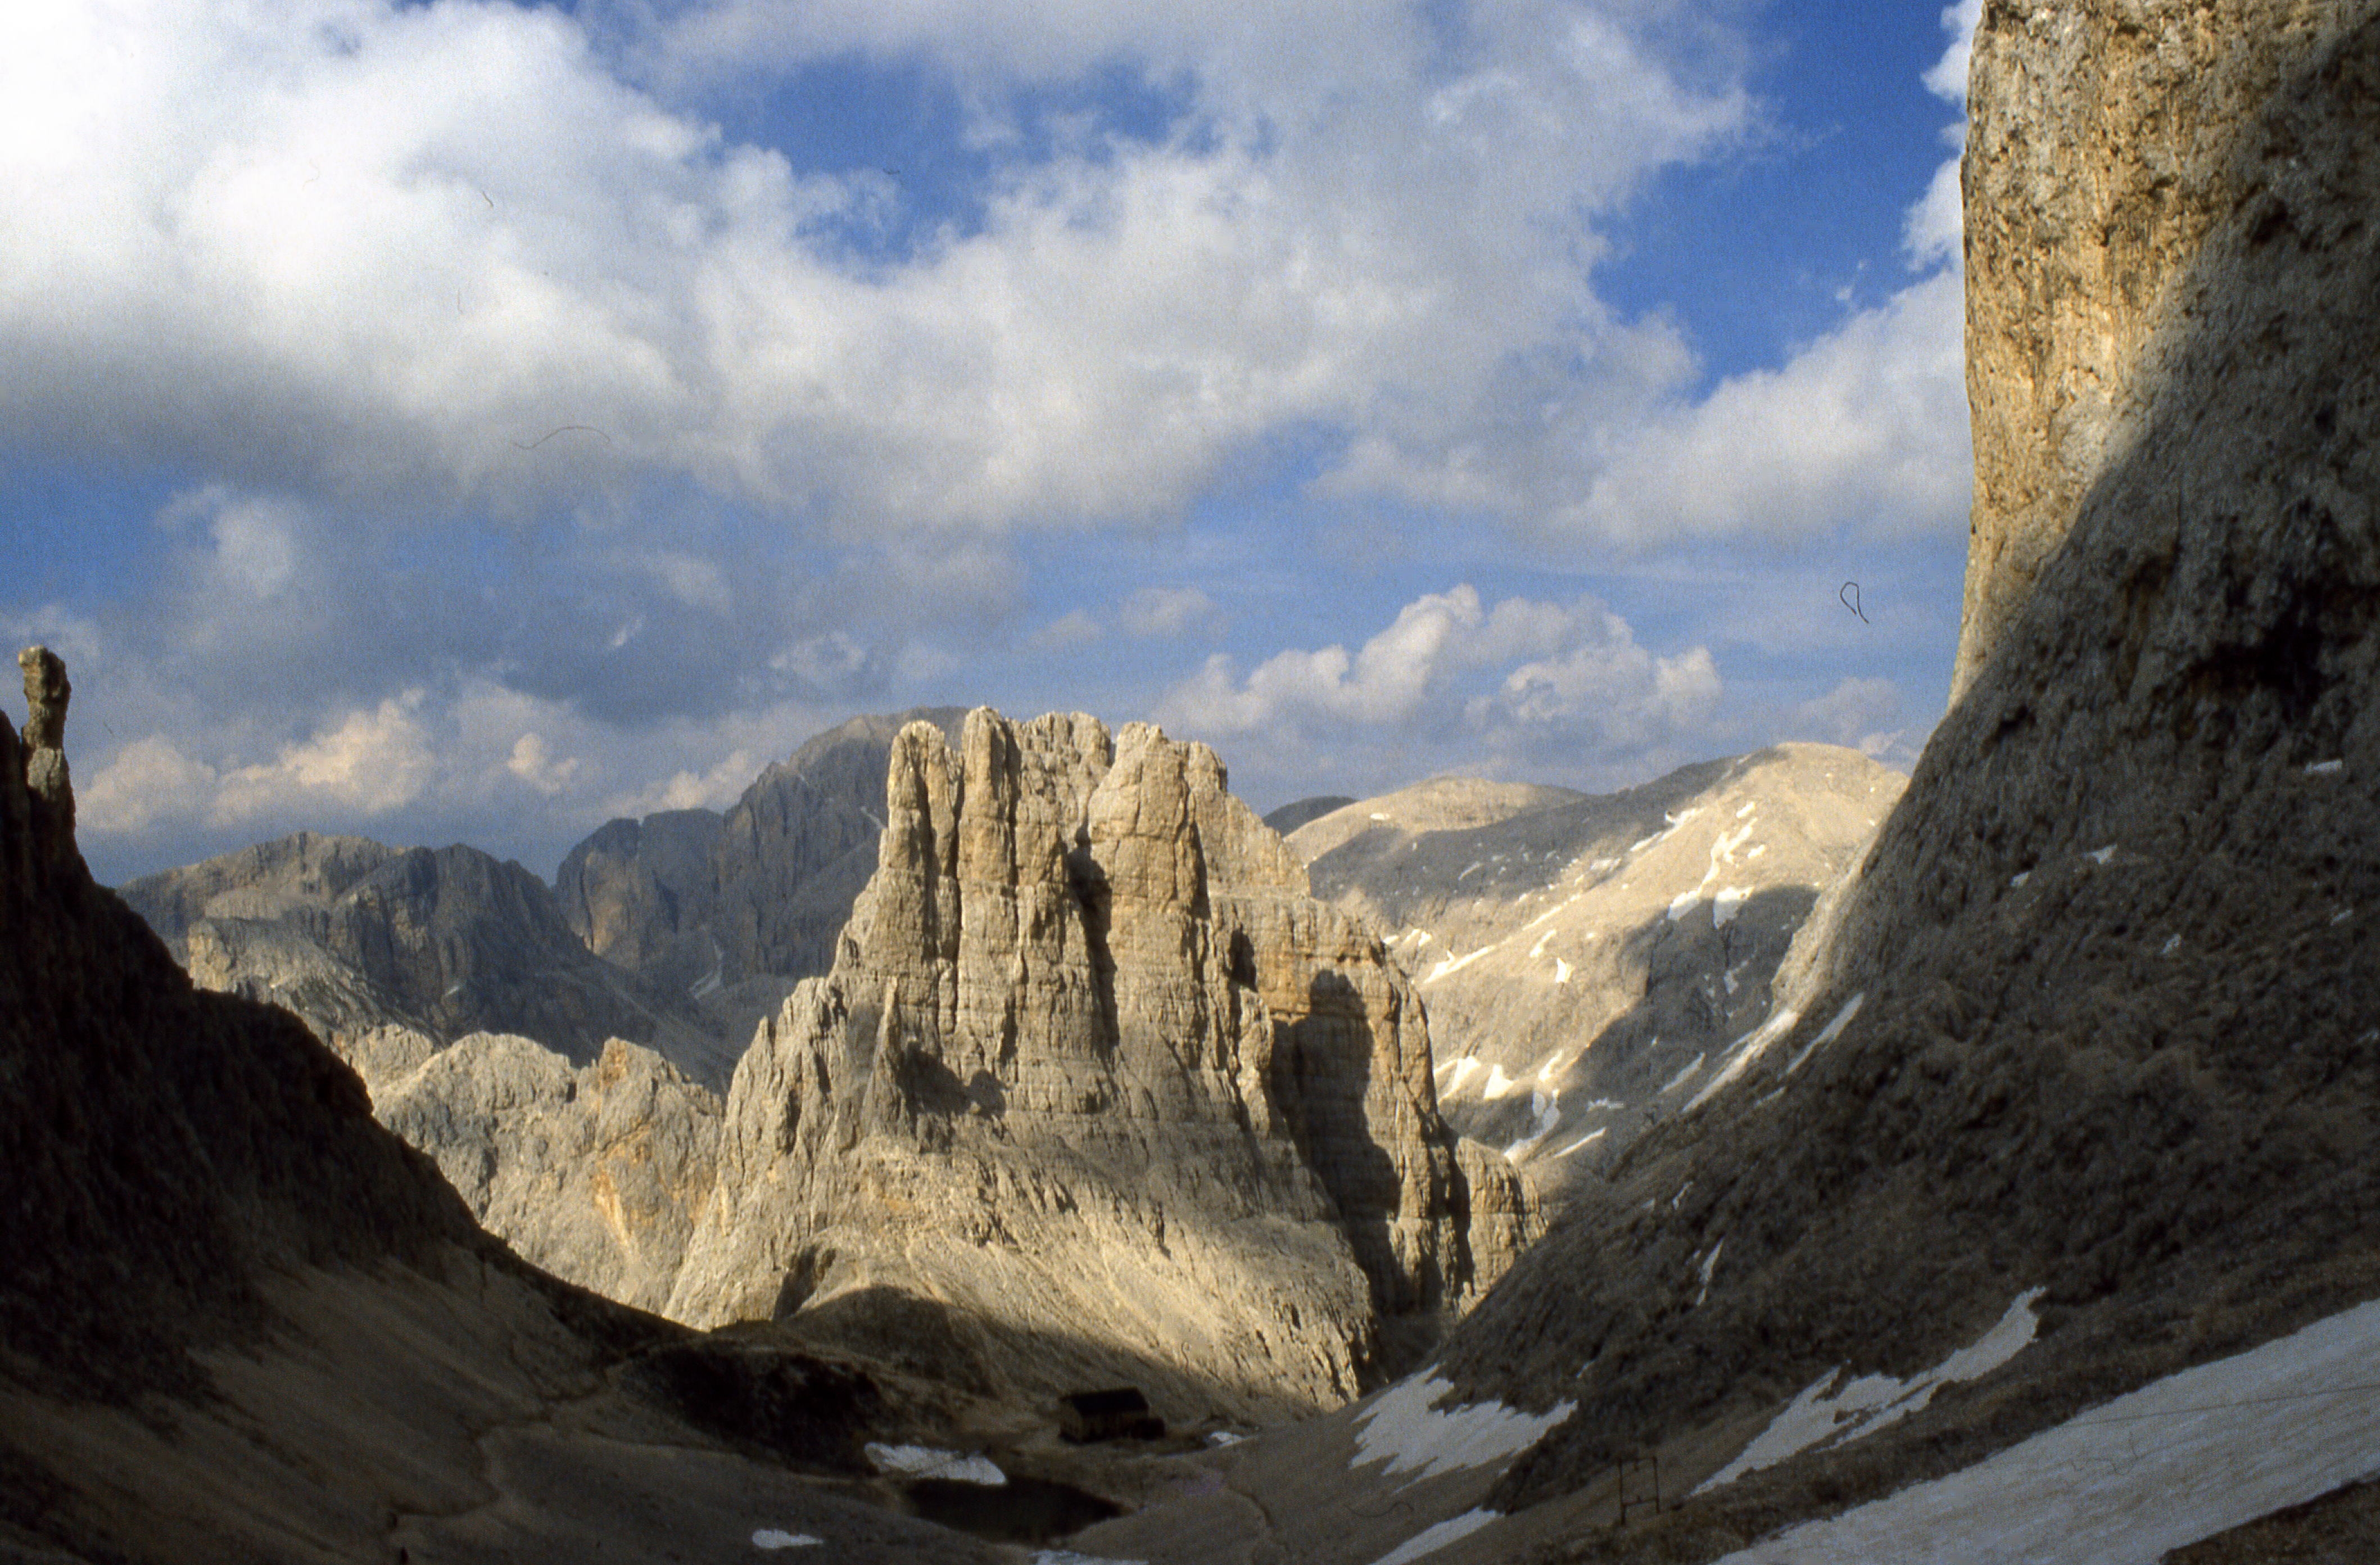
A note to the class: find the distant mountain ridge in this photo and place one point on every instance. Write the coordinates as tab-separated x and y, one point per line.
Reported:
1585	957
354	935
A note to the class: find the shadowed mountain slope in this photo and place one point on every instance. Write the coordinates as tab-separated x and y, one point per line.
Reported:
240	1322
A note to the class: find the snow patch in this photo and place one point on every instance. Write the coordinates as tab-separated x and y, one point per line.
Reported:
1429	1540
1726	904
1548	1109
1549	913
1684	902
1679	1079
1744	1050
1553	1063
2325	768
1499	1084
2172	944
1467	874
1748	810
1834	1031
769	1537
2020	878
2101	855
1464	1069
2126	1483
2342	915
1562	968
1819	1414
1455	963
1594	1136
1404	1428
924	1461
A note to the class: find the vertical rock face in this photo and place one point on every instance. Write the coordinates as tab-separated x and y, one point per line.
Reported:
2080	289
1093	1070
2097	1014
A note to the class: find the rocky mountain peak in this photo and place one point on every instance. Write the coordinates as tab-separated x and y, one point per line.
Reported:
1095	1073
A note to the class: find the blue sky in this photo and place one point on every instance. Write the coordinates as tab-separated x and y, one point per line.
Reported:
472	421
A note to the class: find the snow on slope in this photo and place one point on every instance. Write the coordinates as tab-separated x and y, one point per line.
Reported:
2182	1458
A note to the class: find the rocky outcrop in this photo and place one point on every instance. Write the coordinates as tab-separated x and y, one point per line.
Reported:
703	902
594	1173
1094	1075
354	936
1586	959
641	894
2088	297
2091	1031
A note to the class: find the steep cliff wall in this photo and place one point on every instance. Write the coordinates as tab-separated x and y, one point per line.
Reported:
2088	290
2090	1044
1094	1072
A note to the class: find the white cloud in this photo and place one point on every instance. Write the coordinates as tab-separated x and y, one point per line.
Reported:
444	251
1168	611
1076	627
1864	431
372	763
1524	683
1947	79
149	781
1863	714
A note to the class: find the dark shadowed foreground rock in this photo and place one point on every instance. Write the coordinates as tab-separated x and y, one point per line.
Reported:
1096	1083
240	1322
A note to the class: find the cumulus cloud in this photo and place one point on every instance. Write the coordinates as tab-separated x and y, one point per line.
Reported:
1862	714
1168	611
1864	432
447	250
1524	681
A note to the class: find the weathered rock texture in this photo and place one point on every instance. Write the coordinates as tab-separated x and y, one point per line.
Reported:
594	1173
240	1322
2085	293
2099	1013
1587	958
1095	1077
357	937
729	910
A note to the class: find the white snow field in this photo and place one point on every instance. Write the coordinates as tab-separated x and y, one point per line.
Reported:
1405	1429
2185	1458
1825	1415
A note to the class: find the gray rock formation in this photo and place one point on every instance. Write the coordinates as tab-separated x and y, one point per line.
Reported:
641	894
354	936
1098	1083
729	910
239	1321
593	1172
1587	958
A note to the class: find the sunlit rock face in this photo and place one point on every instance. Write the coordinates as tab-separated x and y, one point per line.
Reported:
1587	958
1094	1074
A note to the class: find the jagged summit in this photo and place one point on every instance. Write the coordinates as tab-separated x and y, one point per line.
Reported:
1095	1077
